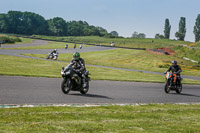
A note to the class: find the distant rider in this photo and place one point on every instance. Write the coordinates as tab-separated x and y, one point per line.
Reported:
176	69
79	67
66	46
54	52
80	46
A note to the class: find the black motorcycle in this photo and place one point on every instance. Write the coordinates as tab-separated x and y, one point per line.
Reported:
170	85
72	81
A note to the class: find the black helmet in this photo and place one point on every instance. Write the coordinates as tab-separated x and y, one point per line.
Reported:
174	62
76	56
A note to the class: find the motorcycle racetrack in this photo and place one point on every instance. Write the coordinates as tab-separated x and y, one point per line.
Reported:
31	90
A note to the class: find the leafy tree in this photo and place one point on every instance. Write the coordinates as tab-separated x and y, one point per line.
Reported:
158	36
134	35
34	24
138	35
114	33
102	31
141	35
15	19
57	26
167	29
3	23
75	28
182	29
25	23
196	30
31	23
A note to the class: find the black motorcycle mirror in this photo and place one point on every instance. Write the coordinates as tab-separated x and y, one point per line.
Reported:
62	68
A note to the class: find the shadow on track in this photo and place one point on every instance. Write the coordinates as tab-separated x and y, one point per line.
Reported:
185	94
92	95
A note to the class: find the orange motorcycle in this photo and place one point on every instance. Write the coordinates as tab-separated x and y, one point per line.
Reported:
173	83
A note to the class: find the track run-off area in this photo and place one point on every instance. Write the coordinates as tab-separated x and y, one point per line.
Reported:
34	90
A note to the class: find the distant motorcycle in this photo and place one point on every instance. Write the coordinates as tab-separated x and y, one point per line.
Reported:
53	56
66	46
72	81
81	47
171	85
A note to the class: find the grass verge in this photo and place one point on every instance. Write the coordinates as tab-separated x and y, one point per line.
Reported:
133	59
122	42
25	40
20	66
143	118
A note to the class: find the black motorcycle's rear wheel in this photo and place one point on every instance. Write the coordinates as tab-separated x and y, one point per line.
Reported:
179	89
167	89
65	86
55	58
85	90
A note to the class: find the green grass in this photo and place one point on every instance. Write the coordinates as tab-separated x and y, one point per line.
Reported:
20	66
133	59
123	42
149	118
193	54
25	40
197	45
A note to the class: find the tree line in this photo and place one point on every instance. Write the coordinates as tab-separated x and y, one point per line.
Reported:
28	23
180	34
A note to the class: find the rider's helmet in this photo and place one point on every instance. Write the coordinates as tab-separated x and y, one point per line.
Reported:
174	62
54	50
76	56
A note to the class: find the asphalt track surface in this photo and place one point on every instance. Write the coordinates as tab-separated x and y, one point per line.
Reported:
30	90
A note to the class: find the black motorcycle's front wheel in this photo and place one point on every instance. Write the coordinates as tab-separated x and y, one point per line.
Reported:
179	89
66	86
167	89
85	90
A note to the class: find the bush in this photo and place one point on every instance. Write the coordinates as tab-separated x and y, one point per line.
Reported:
16	39
6	39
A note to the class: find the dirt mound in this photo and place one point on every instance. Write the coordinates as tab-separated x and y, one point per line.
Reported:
165	51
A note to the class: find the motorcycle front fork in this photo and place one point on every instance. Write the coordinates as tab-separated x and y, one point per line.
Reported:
175	84
172	83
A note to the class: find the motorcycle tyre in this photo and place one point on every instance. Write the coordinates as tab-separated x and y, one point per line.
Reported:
179	89
85	90
167	89
55	58
63	87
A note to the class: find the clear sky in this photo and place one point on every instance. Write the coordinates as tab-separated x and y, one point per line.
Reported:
123	16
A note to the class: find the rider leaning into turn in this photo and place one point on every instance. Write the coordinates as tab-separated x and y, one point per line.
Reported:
79	66
54	51
176	70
